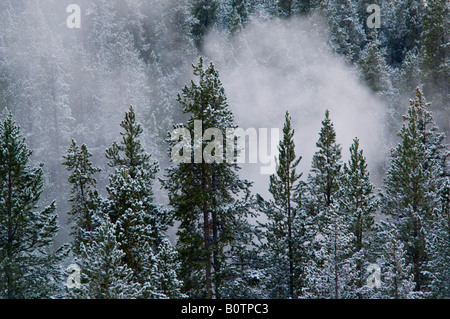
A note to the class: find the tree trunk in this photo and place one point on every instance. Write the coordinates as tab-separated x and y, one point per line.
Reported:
290	252
206	232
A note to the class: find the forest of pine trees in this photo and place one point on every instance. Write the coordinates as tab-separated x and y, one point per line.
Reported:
87	175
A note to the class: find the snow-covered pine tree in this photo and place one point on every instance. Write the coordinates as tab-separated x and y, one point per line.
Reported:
397	280
285	8
209	200
168	266
119	71
433	140
242	9
140	223
29	266
356	194
204	12
405	29
322	182
84	197
304	7
347	34
358	205
440	245
435	45
410	74
104	275
284	229
410	191
374	70
332	272
235	23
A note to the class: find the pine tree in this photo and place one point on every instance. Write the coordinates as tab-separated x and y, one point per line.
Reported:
28	267
209	200
358	204
325	173
357	196
103	273
283	229
410	74
347	34
440	245
242	8
406	28
397	280
409	195
84	198
141	224
304	7
373	67
435	39
167	268
332	271
285	8
236	22
204	12
433	140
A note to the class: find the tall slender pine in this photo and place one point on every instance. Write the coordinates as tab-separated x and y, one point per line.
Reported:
283	228
322	183
28	267
209	200
141	224
410	193
84	196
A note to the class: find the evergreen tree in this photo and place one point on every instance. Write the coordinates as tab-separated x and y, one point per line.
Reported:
29	268
358	204
204	12
283	230
331	273
432	139
236	22
440	245
406	28
103	273
205	193
285	8
325	173
397	280
435	40
357	196
304	7
373	67
410	74
167	268
84	196
347	34
242	8
409	195
141	224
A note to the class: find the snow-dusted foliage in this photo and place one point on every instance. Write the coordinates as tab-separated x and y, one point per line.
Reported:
103	273
316	228
210	201
28	268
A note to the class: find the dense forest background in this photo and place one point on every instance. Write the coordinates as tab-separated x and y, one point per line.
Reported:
310	58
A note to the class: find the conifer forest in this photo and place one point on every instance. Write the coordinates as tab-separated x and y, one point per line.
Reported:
224	149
